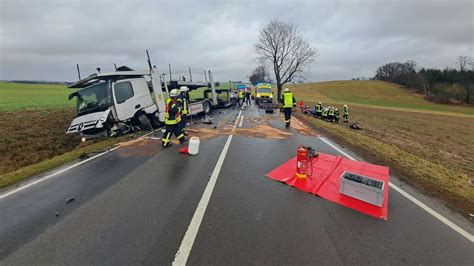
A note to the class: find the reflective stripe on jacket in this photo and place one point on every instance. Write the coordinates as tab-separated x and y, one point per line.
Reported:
172	112
184	103
346	111
288	100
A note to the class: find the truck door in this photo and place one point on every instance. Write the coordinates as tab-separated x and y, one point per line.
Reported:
125	100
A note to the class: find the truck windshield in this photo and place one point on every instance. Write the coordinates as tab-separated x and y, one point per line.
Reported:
93	98
264	90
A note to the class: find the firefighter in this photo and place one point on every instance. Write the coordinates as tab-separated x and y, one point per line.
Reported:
337	116
172	119
183	102
247	97
324	114
331	114
346	113
318	109
288	101
241	97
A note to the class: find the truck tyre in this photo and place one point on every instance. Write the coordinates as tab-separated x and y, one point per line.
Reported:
206	106
155	123
144	122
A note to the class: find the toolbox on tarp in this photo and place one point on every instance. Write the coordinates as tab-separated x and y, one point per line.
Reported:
363	188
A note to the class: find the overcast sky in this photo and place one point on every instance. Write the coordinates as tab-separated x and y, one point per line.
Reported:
44	40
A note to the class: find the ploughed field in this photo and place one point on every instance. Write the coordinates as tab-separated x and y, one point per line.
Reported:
33	119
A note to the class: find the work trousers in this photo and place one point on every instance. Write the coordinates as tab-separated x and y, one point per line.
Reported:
346	117
247	100
287	112
172	129
241	101
182	124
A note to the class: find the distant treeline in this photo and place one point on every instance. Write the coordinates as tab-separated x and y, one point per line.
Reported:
441	86
37	82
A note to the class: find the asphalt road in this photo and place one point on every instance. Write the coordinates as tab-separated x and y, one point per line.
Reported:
134	205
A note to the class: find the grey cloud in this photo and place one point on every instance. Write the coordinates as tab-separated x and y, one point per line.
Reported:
45	39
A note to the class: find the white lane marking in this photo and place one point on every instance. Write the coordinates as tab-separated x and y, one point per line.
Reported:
420	204
184	250
241	121
16	190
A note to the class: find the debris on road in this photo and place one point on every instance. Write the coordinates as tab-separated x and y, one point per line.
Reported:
192	130
83	156
70	199
57	214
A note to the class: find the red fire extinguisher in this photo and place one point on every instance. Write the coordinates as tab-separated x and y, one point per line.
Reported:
304	161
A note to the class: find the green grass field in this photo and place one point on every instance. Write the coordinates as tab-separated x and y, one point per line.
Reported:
372	93
17	96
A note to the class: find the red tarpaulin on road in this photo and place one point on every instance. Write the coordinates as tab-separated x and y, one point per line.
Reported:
325	181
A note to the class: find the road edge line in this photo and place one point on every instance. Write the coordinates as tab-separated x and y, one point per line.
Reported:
46	177
417	202
182	255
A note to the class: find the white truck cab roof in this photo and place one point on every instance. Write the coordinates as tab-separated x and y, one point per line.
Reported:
107	76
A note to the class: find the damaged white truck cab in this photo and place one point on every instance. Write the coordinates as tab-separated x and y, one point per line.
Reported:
116	102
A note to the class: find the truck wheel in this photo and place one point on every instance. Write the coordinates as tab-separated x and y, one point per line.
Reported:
144	122
155	123
206	106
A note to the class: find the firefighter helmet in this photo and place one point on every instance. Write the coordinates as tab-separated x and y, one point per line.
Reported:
286	90
174	92
183	89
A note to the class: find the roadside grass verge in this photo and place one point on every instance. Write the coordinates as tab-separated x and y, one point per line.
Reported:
416	163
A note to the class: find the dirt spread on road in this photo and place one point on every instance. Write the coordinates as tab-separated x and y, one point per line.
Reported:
263	131
302	128
140	147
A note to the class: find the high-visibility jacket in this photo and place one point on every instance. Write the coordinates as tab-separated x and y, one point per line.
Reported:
346	111
241	94
288	100
172	112
336	114
318	108
183	102
325	112
331	112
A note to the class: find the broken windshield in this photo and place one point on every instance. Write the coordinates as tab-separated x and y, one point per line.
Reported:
93	98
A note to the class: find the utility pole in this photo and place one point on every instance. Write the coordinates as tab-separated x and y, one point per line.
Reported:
169	66
190	76
78	71
205	75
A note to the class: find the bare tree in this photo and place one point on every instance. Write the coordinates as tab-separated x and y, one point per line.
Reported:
259	74
281	44
462	61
